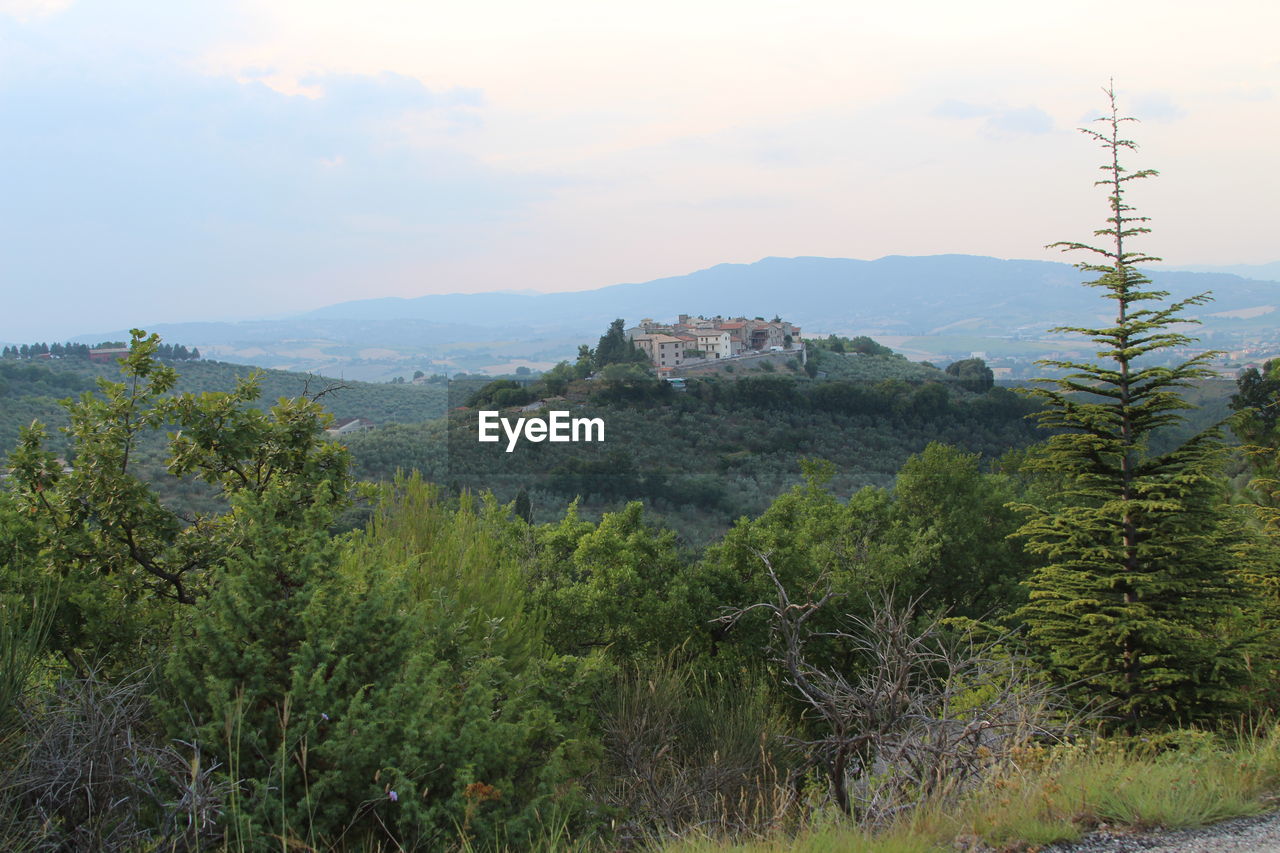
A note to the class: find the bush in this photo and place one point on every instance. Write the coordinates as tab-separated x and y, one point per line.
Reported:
353	689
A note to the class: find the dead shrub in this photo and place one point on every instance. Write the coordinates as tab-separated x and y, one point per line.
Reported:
926	712
91	775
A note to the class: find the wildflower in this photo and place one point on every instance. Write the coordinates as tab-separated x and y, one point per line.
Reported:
393	796
324	717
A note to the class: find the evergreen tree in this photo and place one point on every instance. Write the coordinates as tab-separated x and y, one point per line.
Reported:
524	507
1137	598
586	358
1257	423
616	348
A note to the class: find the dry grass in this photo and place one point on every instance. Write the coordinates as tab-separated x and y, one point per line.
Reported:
1049	795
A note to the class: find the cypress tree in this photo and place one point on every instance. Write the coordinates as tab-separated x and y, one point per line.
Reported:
1135	602
524	507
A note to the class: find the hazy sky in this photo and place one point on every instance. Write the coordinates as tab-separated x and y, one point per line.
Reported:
208	159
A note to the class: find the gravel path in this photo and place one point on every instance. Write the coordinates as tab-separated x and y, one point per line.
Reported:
1257	834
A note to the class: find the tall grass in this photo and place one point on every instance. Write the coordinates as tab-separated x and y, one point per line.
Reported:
452	558
684	748
1057	795
23	639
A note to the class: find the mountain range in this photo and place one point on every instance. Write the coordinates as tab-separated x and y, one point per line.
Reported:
938	306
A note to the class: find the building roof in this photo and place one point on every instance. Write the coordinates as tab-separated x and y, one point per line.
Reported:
341	422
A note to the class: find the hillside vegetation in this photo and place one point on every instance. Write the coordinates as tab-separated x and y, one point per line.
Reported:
701	458
708	455
30	390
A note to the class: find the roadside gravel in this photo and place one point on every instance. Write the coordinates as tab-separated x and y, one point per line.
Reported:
1257	834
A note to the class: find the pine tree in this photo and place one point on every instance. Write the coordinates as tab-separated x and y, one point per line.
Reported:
1136	600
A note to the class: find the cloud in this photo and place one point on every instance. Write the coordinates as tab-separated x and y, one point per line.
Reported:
1024	120
997	121
358	95
133	196
951	108
1246	94
26	10
1155	106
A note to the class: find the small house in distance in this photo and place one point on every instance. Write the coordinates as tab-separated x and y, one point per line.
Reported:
106	355
347	426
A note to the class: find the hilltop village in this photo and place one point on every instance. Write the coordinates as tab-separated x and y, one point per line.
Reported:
693	341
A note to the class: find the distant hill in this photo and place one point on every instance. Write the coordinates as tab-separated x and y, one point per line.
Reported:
30	390
938	307
1261	272
896	295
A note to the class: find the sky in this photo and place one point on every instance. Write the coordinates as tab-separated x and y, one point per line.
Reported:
215	159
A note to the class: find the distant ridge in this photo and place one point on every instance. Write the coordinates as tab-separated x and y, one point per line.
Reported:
1258	272
907	294
970	300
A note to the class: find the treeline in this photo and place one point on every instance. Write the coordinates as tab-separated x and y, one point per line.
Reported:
165	352
861	345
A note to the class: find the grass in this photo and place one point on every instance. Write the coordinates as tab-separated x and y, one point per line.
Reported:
1054	795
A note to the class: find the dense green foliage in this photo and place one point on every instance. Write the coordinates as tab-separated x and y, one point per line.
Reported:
861	345
707	455
973	374
452	674
110	542
30	390
393	683
615	348
1257	423
875	365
